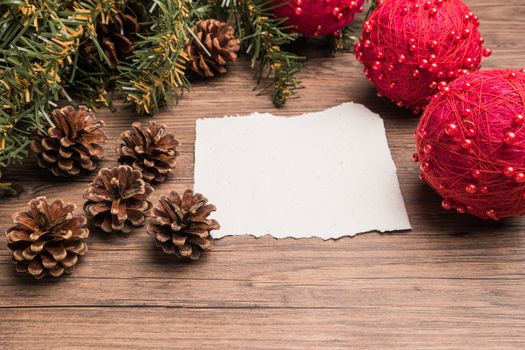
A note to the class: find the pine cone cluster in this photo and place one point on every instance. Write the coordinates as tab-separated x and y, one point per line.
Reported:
72	144
181	225
150	150
116	36
47	238
118	199
215	48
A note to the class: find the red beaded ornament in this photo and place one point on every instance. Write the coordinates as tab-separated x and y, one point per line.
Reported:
412	48
318	17
471	144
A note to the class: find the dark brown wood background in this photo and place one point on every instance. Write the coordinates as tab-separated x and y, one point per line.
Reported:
453	282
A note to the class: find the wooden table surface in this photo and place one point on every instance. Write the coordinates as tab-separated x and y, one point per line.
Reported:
453	282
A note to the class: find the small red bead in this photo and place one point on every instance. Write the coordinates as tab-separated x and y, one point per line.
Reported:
415	158
519	177
376	65
451	129
509	171
487	52
484	189
509	138
467	144
471	188
470	132
491	214
476	174
461	210
425	166
427	148
446	204
519	119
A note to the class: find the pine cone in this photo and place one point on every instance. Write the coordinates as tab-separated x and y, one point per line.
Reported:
118	199
72	144
117	36
221	48
151	150
181	226
47	238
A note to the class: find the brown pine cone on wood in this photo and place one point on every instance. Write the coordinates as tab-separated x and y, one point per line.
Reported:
47	238
215	48
118	199
73	144
116	36
150	150
181	225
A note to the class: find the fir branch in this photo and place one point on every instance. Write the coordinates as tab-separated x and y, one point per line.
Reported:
262	38
158	62
373	5
346	40
38	40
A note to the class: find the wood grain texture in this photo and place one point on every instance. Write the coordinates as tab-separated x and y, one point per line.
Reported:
453	282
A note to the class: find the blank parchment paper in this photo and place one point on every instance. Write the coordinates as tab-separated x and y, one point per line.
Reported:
327	174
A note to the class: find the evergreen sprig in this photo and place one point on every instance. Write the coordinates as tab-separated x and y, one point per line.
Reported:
40	60
262	38
39	38
157	65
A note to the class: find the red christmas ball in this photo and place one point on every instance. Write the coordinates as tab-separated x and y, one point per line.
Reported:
318	17
411	48
471	144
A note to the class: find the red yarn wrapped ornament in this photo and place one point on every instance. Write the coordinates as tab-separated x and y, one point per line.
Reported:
318	17
412	47
471	144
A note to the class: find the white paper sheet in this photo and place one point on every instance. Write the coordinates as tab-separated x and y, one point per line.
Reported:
327	174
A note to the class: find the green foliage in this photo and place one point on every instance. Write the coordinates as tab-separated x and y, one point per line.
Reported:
262	38
39	38
158	62
41	63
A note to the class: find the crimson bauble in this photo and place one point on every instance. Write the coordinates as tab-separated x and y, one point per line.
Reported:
471	144
318	17
411	47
